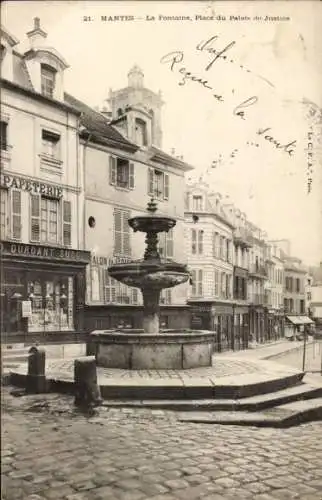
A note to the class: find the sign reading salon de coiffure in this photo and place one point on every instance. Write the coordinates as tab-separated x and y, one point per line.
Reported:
43	252
34	187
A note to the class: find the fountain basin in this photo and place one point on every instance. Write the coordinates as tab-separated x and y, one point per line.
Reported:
140	273
170	350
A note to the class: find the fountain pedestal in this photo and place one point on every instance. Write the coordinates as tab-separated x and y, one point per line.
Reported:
136	350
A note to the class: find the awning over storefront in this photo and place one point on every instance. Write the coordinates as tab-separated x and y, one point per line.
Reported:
299	320
306	320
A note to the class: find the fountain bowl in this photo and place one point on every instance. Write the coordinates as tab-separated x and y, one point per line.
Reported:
167	350
157	273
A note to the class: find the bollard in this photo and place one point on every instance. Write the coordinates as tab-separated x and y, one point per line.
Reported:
36	378
87	392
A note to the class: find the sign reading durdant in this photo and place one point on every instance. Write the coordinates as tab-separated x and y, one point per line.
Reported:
15	182
43	252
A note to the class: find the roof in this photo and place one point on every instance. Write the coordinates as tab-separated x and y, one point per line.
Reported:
20	71
161	157
97	127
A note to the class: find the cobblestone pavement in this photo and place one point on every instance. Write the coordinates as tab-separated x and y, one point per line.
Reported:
294	359
49	451
222	368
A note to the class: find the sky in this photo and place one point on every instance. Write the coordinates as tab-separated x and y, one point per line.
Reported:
272	65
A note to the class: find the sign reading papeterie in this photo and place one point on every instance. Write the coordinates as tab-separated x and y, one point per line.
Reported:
34	187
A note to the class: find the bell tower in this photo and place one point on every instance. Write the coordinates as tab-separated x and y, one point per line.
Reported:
140	108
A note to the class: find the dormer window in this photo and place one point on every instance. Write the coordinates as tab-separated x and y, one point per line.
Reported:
48	80
197	203
141	132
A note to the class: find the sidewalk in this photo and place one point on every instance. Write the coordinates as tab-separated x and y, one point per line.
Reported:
266	351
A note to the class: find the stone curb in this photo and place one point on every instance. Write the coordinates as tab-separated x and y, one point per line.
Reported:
292	349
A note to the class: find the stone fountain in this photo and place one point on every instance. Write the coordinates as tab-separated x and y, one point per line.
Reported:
151	348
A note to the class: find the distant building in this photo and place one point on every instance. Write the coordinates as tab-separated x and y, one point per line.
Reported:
42	194
209	249
274	290
295	298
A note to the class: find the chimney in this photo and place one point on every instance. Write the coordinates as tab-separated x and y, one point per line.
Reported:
36	35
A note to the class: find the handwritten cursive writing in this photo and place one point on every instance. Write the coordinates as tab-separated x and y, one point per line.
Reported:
240	109
174	58
219	54
175	62
288	148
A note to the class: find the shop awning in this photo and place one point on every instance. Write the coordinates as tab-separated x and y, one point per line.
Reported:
299	320
306	320
294	319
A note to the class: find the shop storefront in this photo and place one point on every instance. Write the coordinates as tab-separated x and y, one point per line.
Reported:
241	327
257	323
42	292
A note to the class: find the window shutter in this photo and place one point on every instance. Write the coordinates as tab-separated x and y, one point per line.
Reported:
150	182
166	187
67	223
16	214
126	234
162	244
135	295
131	176
35	217
200	242
200	282
216	284
169	243
193	241
194	282
117	231
112	166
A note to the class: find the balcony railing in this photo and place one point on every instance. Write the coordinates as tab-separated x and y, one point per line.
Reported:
242	237
258	270
257	299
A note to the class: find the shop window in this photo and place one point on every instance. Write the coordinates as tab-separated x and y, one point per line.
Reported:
48	80
196	242
158	184
52	304
50	144
121	173
166	244
3	135
121	232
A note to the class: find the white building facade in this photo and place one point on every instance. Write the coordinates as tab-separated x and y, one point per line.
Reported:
43	257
